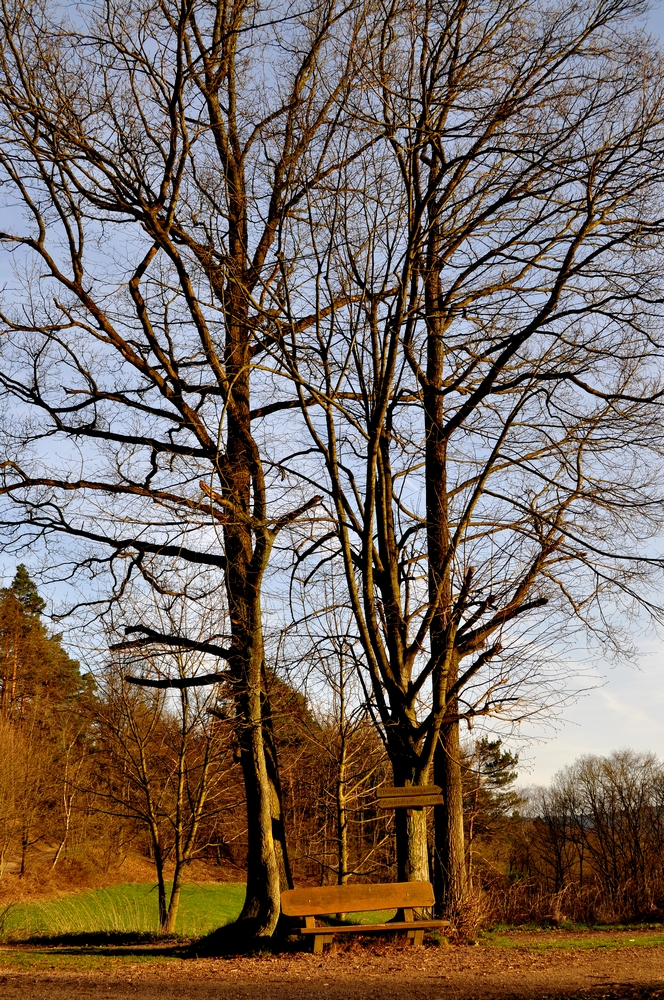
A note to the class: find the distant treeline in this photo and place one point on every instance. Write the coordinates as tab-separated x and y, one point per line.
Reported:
92	770
591	846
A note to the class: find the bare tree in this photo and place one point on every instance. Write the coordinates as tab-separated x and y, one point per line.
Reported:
352	759
160	760
614	809
155	153
590	846
487	404
488	772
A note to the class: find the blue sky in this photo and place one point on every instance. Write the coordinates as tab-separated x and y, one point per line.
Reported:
627	710
656	20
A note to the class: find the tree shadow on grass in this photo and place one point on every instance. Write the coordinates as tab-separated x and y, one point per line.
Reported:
237	939
107	943
225	942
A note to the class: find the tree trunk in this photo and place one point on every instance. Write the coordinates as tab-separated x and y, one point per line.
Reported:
247	553
262	903
276	795
24	850
278	825
161	885
168	927
68	805
449	866
471	830
411	841
450	874
418	852
342	820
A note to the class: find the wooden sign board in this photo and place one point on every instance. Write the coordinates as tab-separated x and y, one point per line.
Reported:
408	797
410	802
390	791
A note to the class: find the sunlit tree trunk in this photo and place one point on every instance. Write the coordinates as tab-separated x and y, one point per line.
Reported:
450	876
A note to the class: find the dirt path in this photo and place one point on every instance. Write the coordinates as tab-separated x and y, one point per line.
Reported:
359	973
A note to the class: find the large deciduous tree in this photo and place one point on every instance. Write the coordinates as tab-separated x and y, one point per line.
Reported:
150	156
488	403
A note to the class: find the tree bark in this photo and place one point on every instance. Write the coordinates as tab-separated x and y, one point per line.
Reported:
168	927
260	912
342	818
161	883
411	839
417	850
450	880
450	874
276	794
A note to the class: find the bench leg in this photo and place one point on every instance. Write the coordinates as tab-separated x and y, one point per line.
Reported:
418	937
320	940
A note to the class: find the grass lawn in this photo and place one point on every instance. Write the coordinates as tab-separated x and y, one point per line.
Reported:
128	908
30	958
132	908
122	909
569	940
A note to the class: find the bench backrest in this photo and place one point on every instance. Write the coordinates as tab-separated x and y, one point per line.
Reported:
353	898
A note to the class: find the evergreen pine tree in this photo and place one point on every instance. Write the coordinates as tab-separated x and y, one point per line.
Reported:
25	590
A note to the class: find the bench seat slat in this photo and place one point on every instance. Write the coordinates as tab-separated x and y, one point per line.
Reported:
406	925
316	901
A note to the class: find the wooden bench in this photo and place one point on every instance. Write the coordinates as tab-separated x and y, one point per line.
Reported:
330	900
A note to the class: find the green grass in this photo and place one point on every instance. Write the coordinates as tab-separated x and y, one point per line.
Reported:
29	959
123	909
369	917
570	925
569	941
